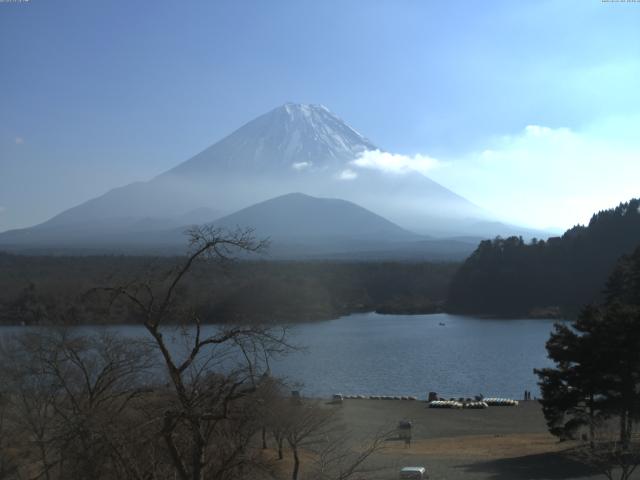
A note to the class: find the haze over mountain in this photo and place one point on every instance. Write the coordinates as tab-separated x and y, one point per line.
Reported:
297	226
301	226
315	218
293	148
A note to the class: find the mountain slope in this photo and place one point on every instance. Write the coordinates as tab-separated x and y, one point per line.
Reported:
289	143
298	225
293	148
299	217
290	138
303	227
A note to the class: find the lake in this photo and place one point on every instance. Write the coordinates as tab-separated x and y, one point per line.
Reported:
373	354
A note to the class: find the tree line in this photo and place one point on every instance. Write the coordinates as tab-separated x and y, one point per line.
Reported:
553	277
34	289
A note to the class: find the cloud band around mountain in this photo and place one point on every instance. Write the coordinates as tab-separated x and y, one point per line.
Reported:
395	163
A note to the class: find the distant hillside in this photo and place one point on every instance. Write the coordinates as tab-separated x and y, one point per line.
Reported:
304	227
296	216
557	276
299	227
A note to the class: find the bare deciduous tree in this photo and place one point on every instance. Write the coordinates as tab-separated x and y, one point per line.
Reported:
66	395
200	428
189	402
339	459
306	425
314	431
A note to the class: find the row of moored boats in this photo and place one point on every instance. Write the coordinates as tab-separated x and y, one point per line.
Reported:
340	396
478	404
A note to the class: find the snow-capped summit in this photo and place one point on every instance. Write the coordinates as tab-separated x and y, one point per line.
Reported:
293	137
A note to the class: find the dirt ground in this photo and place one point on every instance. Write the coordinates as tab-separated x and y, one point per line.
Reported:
498	443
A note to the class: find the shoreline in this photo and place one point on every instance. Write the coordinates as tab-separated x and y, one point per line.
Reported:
304	321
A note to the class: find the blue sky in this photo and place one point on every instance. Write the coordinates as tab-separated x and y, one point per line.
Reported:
529	109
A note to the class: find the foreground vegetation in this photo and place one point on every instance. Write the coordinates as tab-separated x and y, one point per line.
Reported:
74	406
100	407
593	392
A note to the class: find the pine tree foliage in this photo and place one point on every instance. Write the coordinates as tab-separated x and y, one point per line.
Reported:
596	378
512	277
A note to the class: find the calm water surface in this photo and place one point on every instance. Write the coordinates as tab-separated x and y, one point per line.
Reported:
372	354
413	354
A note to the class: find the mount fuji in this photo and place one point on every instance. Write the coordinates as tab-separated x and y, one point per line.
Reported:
288	139
293	148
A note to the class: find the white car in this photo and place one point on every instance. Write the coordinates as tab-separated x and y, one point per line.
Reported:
413	473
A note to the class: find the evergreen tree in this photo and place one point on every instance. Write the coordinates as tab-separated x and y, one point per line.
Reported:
511	277
571	391
597	373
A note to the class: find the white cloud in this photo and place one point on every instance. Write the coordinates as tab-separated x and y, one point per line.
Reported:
395	163
347	174
300	165
541	176
547	177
